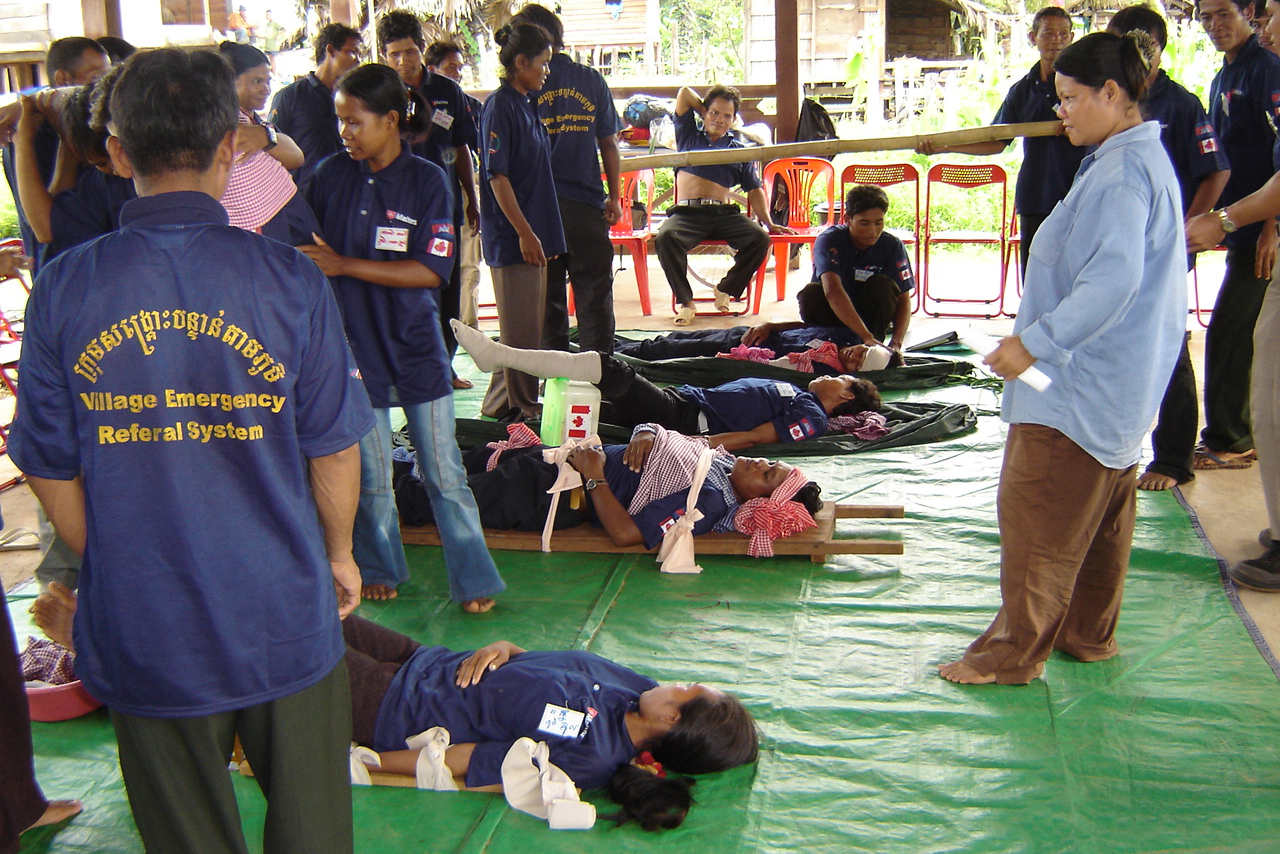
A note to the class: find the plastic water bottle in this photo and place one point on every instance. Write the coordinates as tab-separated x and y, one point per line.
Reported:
570	410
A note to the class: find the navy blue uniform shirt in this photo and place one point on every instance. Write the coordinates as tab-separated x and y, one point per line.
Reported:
304	112
187	369
746	403
691	137
1049	163
1244	102
451	123
526	697
657	516
1186	133
46	146
577	109
515	144
401	212
834	252
90	209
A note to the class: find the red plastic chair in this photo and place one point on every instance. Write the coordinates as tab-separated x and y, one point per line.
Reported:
799	175
888	175
966	177
1012	259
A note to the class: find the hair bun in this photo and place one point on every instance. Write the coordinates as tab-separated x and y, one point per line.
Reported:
1146	45
502	34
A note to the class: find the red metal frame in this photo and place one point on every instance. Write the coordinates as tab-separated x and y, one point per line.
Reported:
967	177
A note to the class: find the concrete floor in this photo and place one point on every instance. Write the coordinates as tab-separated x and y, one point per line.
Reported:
1229	504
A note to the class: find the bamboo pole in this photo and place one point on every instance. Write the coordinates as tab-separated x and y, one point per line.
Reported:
829	147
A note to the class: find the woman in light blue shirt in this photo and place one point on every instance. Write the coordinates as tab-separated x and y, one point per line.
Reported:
1103	317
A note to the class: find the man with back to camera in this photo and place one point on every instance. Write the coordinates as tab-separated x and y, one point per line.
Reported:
304	109
577	108
151	365
703	210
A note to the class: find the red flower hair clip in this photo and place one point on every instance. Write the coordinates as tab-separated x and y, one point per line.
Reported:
646	761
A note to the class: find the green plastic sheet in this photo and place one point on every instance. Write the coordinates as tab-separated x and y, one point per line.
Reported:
1173	746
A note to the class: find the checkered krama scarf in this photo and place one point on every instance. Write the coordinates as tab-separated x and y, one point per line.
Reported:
825	354
767	519
670	467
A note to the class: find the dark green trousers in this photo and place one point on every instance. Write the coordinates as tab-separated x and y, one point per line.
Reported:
175	772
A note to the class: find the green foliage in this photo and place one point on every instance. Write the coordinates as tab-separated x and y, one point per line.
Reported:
8	214
1190	58
702	40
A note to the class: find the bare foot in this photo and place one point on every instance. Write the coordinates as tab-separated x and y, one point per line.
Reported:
958	671
478	606
462	383
54	611
1155	482
378	591
57	811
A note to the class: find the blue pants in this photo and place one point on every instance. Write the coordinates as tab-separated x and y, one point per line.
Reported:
377	547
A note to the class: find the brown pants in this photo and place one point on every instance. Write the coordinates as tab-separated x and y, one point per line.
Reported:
1066	528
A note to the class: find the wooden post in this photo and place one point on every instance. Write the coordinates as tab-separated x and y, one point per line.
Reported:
786	38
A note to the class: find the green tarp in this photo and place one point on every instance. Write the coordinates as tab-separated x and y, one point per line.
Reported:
1174	746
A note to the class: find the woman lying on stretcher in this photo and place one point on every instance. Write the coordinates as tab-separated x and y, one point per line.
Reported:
596	717
636	492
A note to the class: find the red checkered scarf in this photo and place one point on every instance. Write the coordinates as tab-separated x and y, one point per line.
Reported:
518	436
825	354
669	468
767	519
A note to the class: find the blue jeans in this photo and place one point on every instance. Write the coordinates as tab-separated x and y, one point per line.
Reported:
377	547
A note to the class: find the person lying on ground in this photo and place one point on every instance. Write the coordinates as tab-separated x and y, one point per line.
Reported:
489	698
738	414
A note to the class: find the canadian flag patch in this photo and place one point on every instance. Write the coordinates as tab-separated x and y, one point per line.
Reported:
441	247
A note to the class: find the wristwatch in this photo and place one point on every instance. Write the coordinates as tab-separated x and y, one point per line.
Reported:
592	483
1227	225
272	136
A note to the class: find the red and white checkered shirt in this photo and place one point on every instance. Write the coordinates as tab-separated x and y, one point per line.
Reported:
260	186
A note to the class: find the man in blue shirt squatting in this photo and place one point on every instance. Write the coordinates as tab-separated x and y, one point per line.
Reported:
703	210
1049	163
191	427
861	275
304	109
1202	171
452	138
576	106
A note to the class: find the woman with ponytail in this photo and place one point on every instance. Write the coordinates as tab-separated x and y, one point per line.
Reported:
1103	317
519	212
386	217
604	724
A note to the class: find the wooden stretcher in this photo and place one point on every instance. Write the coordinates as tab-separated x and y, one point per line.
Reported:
817	542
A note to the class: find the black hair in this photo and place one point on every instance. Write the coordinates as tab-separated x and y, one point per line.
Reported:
1048	12
381	91
516	40
865	197
532	13
809	495
242	57
399	24
655	803
171	110
67	55
866	398
1099	57
727	93
1140	17
437	52
713	733
118	50
78	132
333	36
1241	5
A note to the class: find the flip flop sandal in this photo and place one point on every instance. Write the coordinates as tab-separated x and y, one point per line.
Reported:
684	316
19	540
1207	460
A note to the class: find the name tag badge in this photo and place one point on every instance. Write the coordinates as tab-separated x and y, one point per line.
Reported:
391	239
557	720
786	389
861	275
442	118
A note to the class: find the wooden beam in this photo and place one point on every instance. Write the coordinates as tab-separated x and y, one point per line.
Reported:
786	40
831	147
